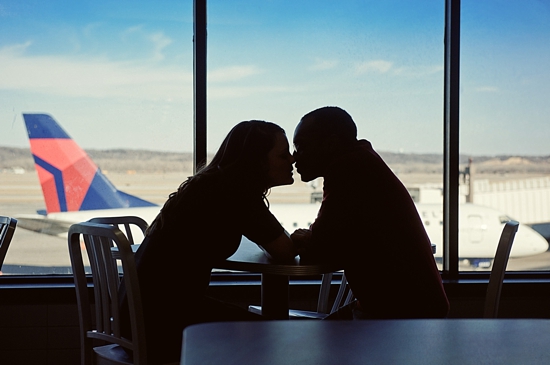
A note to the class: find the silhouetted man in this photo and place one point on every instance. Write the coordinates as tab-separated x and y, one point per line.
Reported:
367	223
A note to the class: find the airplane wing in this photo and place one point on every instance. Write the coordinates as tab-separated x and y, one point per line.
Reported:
41	224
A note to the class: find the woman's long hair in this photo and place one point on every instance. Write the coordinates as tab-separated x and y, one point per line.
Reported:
241	161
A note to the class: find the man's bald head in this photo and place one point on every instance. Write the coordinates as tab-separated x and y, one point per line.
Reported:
320	137
331	121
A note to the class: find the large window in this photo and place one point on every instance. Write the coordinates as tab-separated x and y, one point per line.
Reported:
504	123
117	76
382	61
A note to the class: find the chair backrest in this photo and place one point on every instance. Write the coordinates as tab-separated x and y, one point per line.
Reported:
98	240
343	297
125	224
492	298
7	228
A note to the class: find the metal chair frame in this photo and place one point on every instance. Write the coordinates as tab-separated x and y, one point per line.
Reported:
124	223
98	240
343	297
7	229
496	279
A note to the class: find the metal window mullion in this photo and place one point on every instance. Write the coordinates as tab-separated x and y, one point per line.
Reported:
451	138
199	83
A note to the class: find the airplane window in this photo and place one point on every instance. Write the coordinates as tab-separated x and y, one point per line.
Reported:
505	54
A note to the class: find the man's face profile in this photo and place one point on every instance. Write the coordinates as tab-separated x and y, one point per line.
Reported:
308	151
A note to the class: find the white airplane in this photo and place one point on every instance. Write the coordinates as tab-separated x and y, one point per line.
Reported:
75	190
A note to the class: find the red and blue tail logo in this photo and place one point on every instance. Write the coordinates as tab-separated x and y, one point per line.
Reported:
70	180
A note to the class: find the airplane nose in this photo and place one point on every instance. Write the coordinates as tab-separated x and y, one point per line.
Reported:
528	242
542	246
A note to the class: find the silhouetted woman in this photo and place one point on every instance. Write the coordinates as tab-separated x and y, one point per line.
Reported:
202	223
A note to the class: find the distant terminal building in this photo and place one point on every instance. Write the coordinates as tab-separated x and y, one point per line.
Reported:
526	200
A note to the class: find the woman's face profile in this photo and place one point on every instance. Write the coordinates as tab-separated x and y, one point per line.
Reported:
280	162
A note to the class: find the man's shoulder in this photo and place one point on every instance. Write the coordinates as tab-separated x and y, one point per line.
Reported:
362	162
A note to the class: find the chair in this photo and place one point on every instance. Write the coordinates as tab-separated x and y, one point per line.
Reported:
492	298
7	228
98	240
343	297
126	222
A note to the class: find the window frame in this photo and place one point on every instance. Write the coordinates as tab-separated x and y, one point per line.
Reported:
450	120
451	107
450	272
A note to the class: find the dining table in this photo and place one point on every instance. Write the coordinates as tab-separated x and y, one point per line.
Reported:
249	257
402	341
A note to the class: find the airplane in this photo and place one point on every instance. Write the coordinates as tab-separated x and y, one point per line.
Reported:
75	190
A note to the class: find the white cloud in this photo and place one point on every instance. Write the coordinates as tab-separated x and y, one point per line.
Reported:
90	77
131	30
321	64
384	67
16	49
378	66
233	73
487	89
418	71
217	92
160	42
89	29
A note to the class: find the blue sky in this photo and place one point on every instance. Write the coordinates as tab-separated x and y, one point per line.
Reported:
119	74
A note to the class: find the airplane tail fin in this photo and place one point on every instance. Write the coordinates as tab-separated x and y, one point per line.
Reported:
70	180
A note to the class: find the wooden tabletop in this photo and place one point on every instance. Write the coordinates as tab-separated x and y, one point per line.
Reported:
249	257
311	342
275	275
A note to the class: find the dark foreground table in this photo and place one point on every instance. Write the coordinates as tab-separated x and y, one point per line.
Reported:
448	342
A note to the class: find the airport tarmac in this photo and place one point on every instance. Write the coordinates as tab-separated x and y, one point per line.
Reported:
34	253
